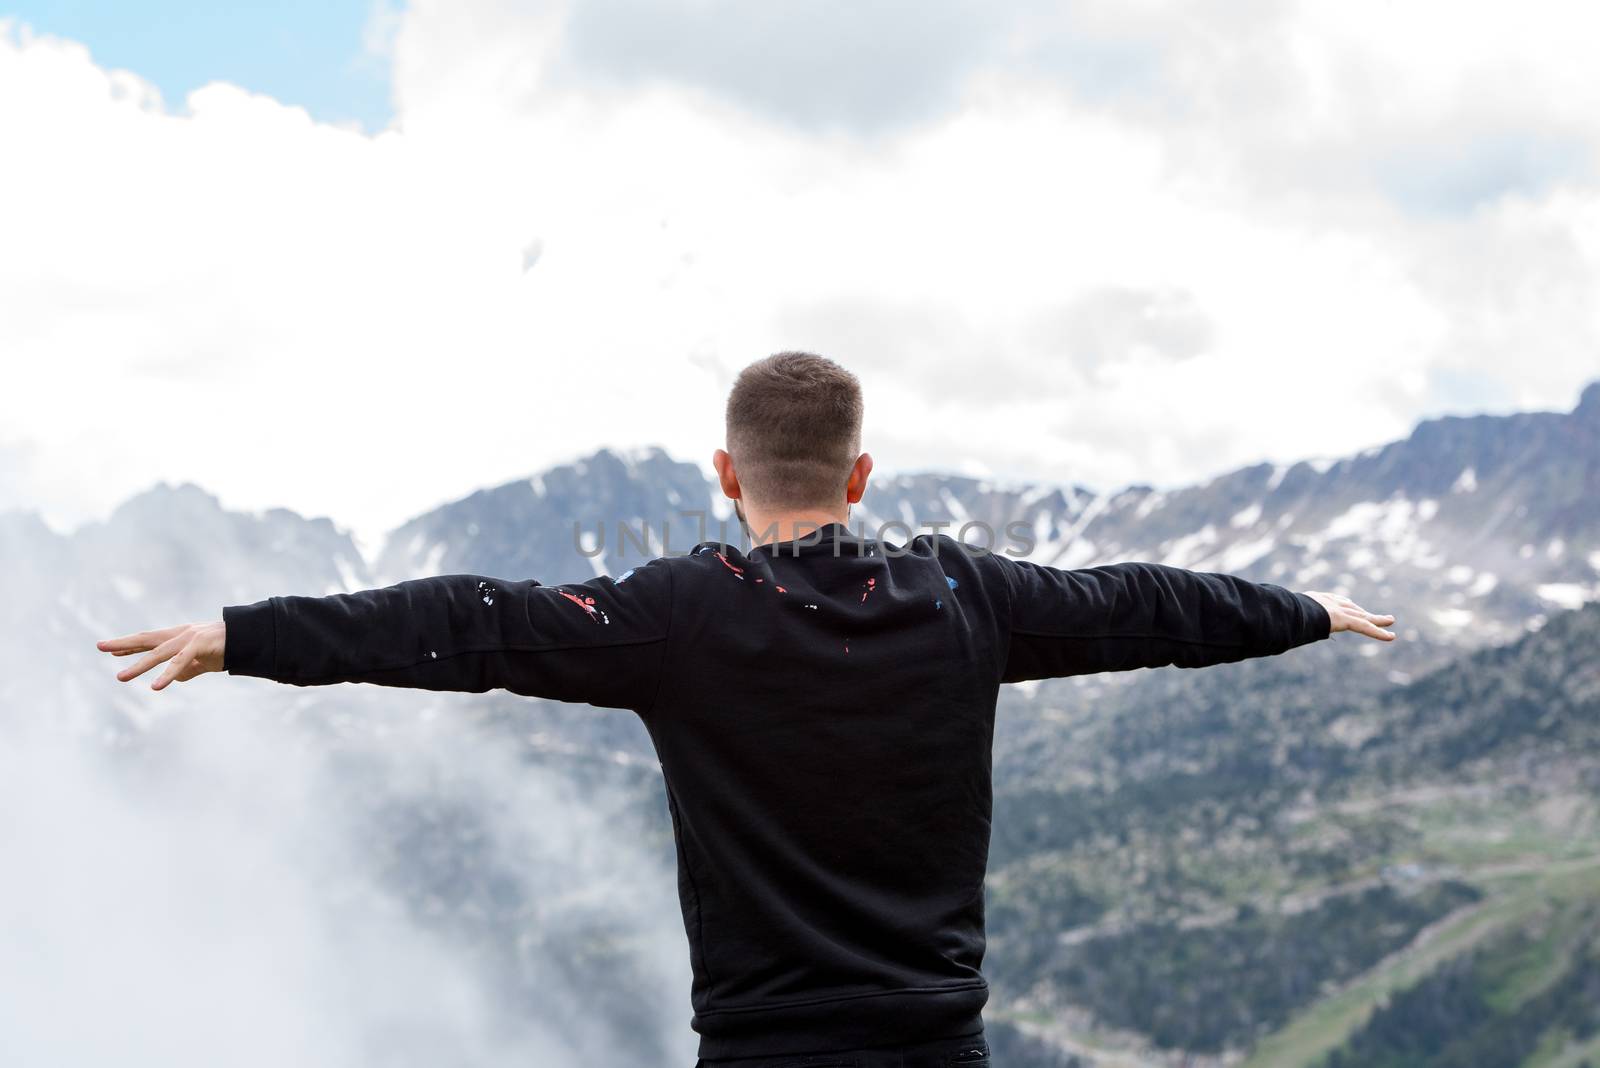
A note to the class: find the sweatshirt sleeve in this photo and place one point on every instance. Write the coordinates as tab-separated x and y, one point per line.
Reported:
1122	616
600	642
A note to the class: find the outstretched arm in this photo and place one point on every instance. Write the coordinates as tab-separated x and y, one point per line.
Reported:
1117	617
601	642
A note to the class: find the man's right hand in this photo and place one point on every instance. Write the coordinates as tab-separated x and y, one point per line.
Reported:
1347	615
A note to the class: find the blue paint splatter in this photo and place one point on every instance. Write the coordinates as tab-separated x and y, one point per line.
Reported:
624	576
952	581
937	604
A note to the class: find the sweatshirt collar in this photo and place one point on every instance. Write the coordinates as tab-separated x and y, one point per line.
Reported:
830	538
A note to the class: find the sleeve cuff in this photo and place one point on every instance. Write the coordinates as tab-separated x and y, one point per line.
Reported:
1316	622
250	642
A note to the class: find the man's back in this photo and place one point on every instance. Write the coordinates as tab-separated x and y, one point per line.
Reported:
823	710
824	727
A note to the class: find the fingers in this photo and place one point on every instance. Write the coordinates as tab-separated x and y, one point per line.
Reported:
1362	625
1345	614
1355	609
1380	619
178	667
192	649
1354	612
128	643
160	653
136	643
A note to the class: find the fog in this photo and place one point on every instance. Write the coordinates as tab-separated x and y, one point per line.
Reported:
333	876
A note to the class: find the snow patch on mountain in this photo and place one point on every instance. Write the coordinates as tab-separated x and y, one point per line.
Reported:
1451	617
1241	555
1565	594
1149	504
349	580
1246	517
1387	530
1185	551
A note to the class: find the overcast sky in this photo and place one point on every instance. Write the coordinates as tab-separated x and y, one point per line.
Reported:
358	260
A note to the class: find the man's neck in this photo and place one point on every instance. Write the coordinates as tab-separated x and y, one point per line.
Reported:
789	526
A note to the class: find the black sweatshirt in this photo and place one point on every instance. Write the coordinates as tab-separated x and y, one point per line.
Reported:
822	709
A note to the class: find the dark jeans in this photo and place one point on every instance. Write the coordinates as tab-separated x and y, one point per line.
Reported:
962	1051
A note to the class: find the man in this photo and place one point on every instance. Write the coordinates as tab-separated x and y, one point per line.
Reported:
822	706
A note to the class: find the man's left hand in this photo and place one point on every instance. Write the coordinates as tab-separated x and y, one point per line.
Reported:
192	649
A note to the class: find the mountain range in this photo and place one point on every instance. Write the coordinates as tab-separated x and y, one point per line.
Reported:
1307	859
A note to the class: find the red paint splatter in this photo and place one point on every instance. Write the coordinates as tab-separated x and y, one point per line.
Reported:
587	604
872	584
780	589
760	580
847	648
736	570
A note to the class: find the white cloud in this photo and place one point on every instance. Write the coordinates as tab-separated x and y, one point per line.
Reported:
1104	243
237	890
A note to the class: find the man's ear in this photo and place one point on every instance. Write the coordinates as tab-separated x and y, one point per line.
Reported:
857	485
725	474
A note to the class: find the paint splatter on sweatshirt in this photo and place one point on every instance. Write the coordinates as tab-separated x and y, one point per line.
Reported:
823	711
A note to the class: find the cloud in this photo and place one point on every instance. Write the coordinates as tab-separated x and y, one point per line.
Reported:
858	64
16	482
1454	177
230	887
1116	324
1202	220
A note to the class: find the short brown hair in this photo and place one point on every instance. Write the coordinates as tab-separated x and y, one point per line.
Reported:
794	430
